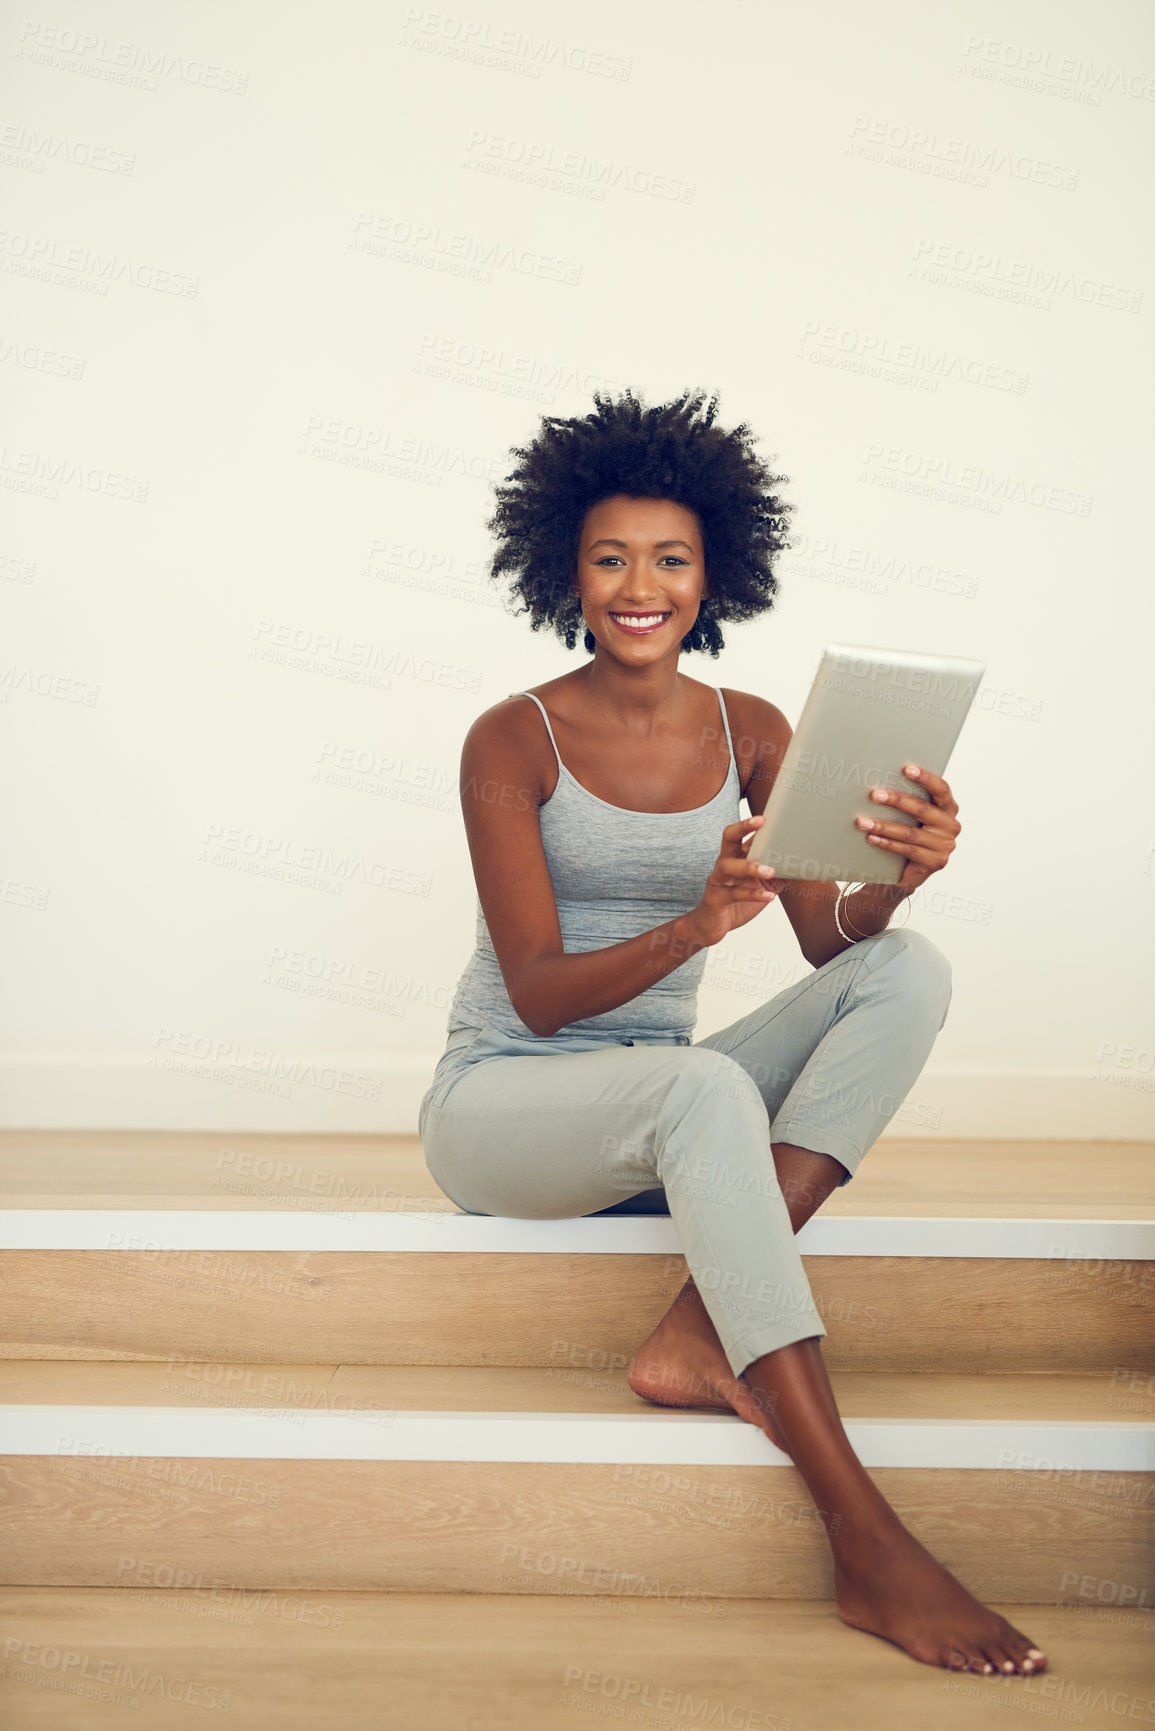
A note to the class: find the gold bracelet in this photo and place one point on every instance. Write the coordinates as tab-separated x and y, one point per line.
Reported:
842	932
886	928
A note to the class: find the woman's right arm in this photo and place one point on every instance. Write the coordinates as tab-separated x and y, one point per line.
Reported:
501	792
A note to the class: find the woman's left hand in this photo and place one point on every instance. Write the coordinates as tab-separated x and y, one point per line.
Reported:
927	847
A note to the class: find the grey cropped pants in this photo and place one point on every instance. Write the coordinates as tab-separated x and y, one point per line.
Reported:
547	1129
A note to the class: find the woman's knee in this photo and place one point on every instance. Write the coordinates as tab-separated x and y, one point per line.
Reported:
702	1076
925	970
712	1106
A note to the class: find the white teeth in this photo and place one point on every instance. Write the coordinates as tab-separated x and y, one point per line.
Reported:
638	624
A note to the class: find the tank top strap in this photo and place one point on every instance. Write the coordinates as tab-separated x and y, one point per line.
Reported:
726	725
545	718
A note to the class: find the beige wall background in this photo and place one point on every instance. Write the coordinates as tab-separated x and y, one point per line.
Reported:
282	286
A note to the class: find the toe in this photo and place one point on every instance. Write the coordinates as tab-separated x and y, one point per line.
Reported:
965	1658
999	1650
1019	1647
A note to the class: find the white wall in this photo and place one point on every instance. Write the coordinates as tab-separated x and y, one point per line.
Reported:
257	383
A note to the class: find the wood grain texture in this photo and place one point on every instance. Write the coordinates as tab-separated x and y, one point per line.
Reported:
165	1169
1095	1397
530	1527
443	1662
305	1307
157	1169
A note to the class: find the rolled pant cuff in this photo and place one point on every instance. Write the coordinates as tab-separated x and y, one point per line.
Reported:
818	1139
742	1353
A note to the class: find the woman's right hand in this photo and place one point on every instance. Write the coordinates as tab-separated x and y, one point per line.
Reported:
736	890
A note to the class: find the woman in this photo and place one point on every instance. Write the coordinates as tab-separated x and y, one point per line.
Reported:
608	861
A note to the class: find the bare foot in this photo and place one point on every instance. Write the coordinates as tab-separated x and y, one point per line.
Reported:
682	1364
888	1585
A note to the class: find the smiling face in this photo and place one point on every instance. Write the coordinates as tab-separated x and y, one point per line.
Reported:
641	575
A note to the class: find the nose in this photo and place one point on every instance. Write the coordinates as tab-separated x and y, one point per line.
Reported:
643	600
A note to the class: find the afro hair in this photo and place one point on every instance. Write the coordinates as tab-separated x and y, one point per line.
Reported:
672	451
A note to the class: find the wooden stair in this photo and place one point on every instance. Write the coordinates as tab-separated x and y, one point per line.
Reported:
429	1479
932	1259
242	1365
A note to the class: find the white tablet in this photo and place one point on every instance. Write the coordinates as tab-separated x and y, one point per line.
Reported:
869	711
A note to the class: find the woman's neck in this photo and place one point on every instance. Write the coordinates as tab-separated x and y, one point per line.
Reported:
633	693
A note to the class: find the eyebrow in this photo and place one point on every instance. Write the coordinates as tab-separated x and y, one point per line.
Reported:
608	541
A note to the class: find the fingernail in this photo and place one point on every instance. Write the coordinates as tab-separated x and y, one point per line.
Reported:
910	769
866	822
1034	1653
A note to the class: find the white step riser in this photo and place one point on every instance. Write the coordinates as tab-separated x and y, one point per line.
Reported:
658	1439
193	1229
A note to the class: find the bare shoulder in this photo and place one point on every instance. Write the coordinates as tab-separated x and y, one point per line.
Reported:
760	733
519	709
502	718
756	720
505	743
517	721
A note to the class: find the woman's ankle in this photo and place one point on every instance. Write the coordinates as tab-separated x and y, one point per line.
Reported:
863	1533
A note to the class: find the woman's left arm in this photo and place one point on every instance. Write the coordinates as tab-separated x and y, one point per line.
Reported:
926	846
764	734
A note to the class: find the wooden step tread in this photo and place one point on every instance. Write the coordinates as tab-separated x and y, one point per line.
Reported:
1108	1397
279	1661
1055	1180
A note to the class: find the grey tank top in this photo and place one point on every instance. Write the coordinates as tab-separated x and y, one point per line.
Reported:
615	873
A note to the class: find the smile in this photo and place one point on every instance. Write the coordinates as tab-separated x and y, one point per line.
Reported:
638	624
